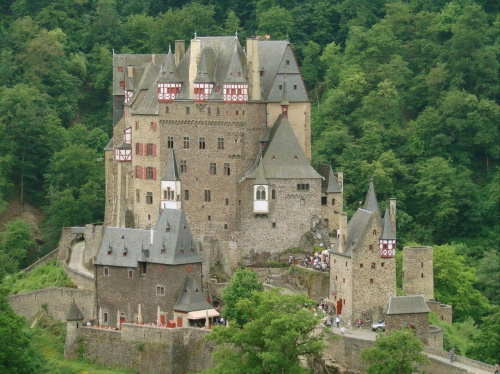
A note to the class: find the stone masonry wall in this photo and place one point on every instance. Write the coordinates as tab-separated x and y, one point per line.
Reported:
443	311
418	274
93	237
57	301
419	321
117	291
145	349
314	283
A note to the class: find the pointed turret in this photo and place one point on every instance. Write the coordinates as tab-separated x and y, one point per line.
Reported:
235	84
388	238
169	82
171	185
191	297
74	313
204	81
371	203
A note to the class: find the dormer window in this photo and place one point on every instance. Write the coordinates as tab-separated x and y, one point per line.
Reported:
202	91
235	93
167	92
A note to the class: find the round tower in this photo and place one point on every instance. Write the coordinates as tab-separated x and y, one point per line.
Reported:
418	274
74	320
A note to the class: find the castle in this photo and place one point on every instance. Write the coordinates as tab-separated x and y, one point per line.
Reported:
223	133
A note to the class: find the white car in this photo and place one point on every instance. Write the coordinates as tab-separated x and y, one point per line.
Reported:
380	325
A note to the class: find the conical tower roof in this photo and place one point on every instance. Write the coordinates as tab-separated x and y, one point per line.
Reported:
191	298
388	233
235	72
260	176
171	173
74	313
371	203
206	67
284	98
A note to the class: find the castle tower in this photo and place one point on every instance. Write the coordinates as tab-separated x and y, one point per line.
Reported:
171	185
418	275
74	320
332	199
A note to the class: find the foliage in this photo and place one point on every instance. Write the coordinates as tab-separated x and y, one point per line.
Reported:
17	353
277	330
454	284
16	246
47	275
242	284
399	352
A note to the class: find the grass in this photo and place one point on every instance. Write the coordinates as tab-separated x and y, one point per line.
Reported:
48	338
48	275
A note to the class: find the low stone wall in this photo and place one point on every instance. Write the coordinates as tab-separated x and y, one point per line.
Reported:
145	349
461	359
55	300
48	257
315	283
82	280
443	311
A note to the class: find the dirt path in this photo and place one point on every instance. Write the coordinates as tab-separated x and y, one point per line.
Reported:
76	260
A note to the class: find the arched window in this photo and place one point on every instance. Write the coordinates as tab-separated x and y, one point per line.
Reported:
261	193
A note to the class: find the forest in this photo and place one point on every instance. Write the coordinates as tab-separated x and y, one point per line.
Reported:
405	92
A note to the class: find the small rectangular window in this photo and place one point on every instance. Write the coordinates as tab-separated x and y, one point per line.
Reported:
274	225
382	264
105	317
273	194
149	149
209	111
373	265
120	68
220	143
207	196
288	62
280	87
227	168
213	168
160	290
294	86
149	198
144	268
150	172
333	201
186	194
153	126
202	143
183	166
323	200
371	281
361	266
106	272
187	111
170	142
185	142
225	226
370	247
167	110
303	186
209	218
218	111
137	196
227	201
130	273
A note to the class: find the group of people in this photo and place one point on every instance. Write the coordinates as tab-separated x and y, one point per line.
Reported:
317	261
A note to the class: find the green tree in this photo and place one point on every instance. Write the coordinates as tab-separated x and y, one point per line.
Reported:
16	246
276	21
17	355
243	283
454	284
277	331
398	352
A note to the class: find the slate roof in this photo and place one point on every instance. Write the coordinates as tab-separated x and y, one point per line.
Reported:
388	232
371	202
407	305
283	156
171	172
109	147
191	298
177	241
221	60
74	313
330	183
356	229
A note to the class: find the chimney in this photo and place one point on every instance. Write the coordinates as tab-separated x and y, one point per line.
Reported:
180	50
343	232
152	235
253	68
392	213
340	178
130	71
153	59
194	58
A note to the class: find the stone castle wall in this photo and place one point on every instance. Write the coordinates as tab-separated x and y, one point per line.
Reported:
314	283
117	291
443	311
57	301
418	274
418	321
93	237
142	348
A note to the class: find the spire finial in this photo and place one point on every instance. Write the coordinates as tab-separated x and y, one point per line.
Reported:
195	34
236	34
113	51
169	48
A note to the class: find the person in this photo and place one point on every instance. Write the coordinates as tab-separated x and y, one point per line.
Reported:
358	324
349	326
342	330
331	320
497	369
452	354
337	320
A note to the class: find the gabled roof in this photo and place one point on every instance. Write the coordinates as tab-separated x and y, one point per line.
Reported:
74	313
206	67
191	298
371	202
178	243
407	305
283	156
235	72
388	232
171	233
171	172
330	183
